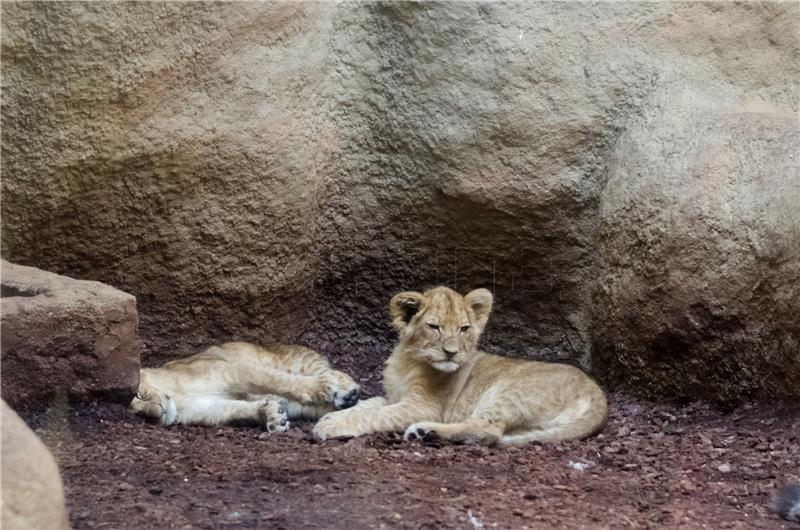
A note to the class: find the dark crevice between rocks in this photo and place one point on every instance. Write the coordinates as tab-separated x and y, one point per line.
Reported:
10	291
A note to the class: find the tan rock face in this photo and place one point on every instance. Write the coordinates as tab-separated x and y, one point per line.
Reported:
65	336
699	255
190	150
32	494
277	171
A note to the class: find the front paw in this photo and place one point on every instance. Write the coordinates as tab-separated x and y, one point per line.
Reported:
425	432
273	415
333	425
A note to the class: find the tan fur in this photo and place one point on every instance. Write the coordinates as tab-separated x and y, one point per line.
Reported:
437	383
239	382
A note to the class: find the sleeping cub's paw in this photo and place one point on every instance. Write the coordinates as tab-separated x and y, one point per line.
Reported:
339	390
273	415
423	431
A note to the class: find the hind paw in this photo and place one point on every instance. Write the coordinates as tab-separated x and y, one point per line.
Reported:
273	415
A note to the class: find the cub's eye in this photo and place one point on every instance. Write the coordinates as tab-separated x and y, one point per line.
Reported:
433	326
464	329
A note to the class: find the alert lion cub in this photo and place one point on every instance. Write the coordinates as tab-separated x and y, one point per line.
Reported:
239	382
438	383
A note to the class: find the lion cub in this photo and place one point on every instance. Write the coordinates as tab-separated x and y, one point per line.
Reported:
438	383
239	382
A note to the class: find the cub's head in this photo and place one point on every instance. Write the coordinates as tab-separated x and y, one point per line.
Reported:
440	327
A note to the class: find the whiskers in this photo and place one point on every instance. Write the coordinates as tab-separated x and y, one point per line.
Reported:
438	359
430	355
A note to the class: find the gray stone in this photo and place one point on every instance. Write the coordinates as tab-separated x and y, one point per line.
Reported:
62	336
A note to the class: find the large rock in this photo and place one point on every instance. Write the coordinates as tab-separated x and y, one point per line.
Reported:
32	494
698	284
278	170
62	336
175	150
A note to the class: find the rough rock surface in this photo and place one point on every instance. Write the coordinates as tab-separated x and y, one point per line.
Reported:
698	283
171	150
65	337
32	494
277	170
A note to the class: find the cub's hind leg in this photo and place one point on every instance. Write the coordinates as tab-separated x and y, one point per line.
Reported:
297	411
258	379
486	425
472	431
270	413
331	387
315	412
340	389
500	423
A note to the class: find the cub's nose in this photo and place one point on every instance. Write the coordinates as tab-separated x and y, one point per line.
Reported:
449	353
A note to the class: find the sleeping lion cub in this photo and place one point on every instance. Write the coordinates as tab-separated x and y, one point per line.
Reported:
437	383
239	382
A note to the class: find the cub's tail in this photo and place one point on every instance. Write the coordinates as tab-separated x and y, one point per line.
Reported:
787	502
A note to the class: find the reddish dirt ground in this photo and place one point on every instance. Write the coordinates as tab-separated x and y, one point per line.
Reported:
685	467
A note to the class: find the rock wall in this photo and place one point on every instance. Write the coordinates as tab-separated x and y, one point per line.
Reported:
172	150
699	252
276	171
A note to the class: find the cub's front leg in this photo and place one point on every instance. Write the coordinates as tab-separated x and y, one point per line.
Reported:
370	416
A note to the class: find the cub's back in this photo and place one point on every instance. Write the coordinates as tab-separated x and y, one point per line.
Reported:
549	380
291	357
288	357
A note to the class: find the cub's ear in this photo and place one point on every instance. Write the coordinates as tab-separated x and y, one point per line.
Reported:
480	301
403	307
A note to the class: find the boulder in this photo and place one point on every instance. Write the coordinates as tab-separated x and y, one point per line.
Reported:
698	279
32	494
65	336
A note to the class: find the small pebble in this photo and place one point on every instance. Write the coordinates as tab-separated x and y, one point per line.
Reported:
577	466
